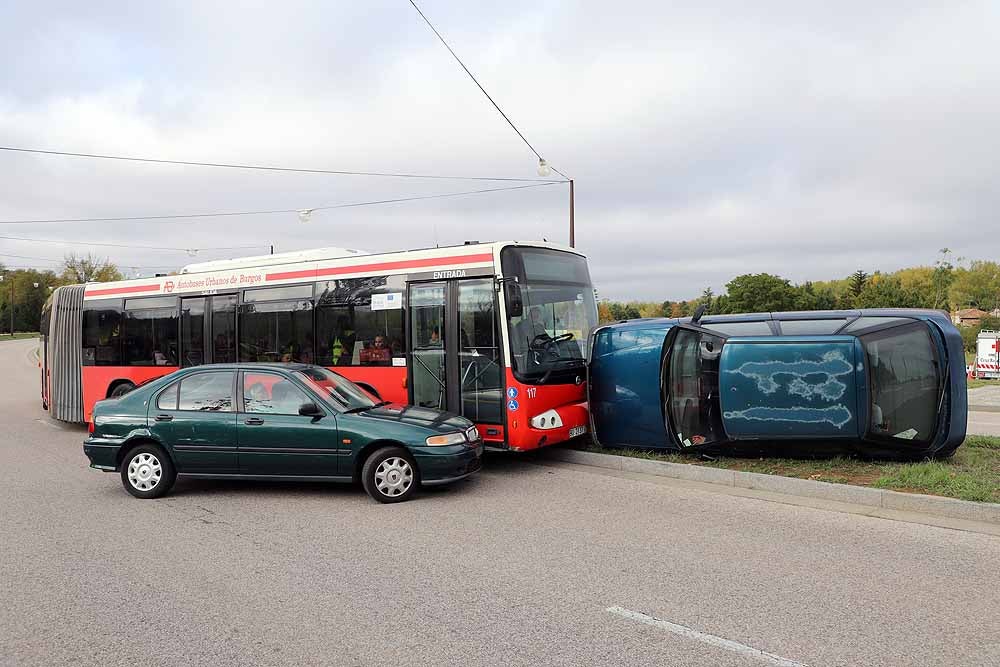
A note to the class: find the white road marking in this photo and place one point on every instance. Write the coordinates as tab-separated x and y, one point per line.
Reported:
712	640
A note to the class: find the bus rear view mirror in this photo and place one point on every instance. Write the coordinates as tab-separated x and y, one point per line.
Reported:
512	295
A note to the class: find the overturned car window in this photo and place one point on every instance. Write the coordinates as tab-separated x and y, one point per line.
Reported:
905	383
692	381
757	328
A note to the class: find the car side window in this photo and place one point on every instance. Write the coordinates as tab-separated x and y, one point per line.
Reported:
207	392
271	394
168	398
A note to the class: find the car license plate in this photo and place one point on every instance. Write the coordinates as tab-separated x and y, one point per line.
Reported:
577	430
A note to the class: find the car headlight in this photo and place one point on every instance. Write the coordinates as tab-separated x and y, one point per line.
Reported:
447	439
546	420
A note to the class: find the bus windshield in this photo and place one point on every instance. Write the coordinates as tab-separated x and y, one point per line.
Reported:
905	383
549	338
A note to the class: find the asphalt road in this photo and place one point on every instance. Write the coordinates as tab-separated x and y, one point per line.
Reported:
984	423
515	567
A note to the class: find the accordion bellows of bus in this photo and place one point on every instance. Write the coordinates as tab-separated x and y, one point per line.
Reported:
495	332
875	382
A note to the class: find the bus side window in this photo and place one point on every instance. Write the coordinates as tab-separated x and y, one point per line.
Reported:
349	332
102	321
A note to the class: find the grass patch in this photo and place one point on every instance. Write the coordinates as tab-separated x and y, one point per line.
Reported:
973	473
18	336
982	382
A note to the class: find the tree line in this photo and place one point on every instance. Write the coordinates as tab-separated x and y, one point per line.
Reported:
949	284
25	290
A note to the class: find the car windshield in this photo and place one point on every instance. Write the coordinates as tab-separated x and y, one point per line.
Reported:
905	383
344	393
559	312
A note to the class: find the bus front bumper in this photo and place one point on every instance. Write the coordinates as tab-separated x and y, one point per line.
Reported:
574	418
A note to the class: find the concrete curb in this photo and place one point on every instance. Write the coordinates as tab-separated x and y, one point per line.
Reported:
845	493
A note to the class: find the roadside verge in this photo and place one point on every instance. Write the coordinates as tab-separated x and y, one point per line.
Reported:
844	493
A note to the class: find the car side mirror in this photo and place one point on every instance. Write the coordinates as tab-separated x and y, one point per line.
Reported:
512	295
310	409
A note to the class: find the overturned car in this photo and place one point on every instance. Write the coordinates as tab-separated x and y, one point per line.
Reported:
874	382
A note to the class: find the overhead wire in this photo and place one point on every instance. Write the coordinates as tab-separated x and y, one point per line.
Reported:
124	245
188	216
259	167
475	80
480	86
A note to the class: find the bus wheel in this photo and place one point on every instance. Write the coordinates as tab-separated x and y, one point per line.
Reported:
121	389
390	475
147	472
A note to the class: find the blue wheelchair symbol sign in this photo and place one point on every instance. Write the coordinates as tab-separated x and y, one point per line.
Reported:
512	392
512	405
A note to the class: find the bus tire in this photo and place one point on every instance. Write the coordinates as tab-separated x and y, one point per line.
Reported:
147	471
121	389
390	475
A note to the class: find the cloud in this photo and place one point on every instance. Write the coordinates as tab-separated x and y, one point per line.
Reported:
805	139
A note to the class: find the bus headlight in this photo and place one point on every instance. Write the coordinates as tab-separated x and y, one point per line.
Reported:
547	420
447	439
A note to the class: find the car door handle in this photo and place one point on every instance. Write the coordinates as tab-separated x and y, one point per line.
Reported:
254	421
164	418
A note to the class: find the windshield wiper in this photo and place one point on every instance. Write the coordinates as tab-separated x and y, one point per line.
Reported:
362	408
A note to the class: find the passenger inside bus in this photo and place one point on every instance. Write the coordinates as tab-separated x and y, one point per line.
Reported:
342	345
377	354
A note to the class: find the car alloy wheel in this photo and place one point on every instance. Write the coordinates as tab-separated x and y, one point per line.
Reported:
393	477
144	471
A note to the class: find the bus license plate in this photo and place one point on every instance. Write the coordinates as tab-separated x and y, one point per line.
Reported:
577	430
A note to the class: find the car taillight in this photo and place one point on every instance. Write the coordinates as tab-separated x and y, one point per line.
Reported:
90	427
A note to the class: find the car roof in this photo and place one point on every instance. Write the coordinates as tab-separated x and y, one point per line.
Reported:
251	365
667	322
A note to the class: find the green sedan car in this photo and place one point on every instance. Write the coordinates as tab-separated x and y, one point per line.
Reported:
287	421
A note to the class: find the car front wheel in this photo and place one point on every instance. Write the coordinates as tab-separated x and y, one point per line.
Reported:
390	475
147	472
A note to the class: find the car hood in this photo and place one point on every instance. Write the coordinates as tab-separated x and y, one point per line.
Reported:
412	415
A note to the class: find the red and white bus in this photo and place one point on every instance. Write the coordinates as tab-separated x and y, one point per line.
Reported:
496	332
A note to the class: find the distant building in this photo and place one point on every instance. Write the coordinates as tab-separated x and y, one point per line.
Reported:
969	317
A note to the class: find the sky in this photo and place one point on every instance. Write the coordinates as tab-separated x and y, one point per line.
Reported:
705	139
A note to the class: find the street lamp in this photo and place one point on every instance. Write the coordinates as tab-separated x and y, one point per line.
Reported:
545	170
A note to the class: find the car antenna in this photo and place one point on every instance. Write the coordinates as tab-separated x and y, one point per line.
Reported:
698	313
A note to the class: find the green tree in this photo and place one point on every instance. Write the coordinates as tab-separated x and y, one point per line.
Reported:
78	270
30	290
623	311
858	281
969	337
977	286
887	292
810	297
942	280
759	292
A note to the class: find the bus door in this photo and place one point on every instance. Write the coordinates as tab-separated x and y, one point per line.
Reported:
208	330
455	349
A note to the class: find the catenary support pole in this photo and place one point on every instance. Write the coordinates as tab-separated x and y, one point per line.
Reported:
572	229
